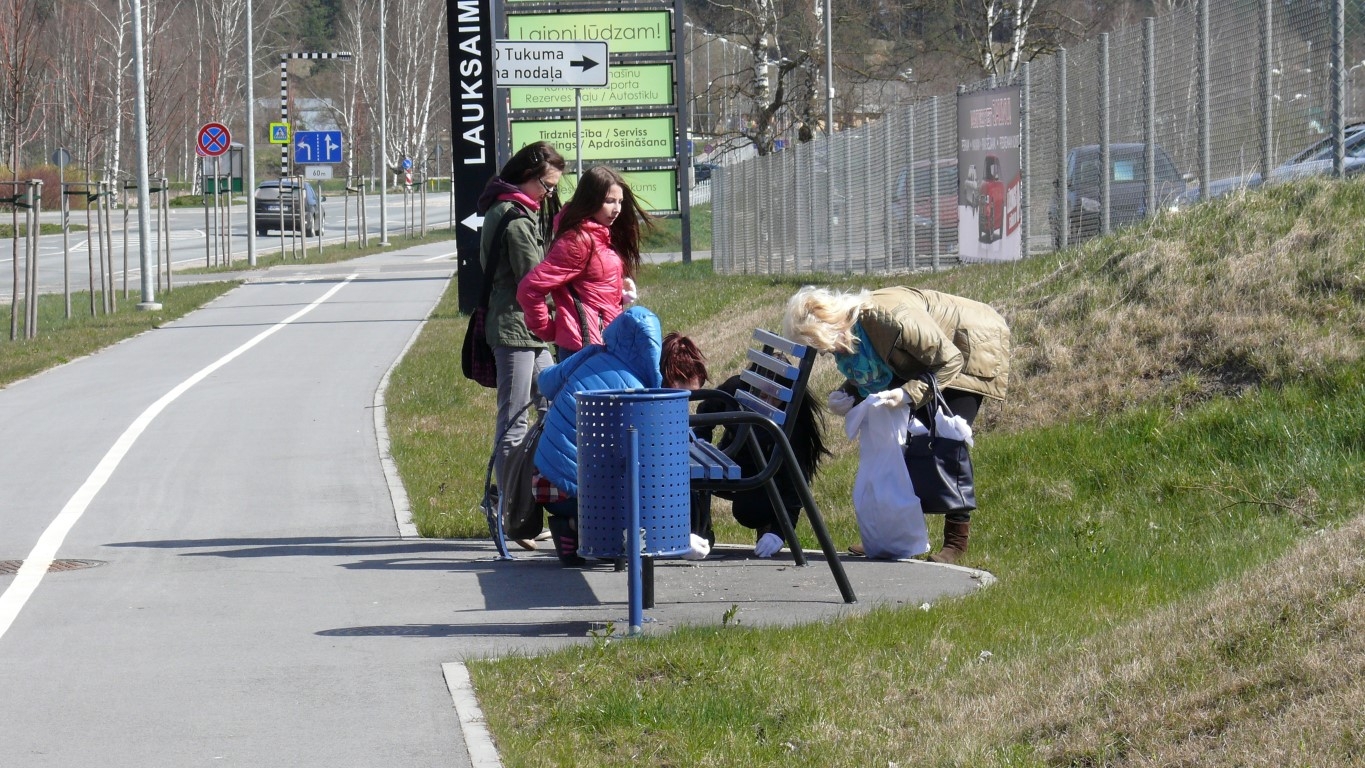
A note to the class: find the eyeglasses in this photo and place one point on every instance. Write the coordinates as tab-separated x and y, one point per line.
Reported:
549	188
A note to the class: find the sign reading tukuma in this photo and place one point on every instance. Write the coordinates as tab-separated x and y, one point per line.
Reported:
569	64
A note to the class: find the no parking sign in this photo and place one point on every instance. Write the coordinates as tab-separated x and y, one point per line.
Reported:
214	139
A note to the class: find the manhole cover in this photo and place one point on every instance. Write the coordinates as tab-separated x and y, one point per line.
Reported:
11	567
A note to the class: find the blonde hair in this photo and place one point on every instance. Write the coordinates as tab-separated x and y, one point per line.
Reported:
823	318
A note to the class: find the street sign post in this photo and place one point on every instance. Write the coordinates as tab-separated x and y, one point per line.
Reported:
577	64
572	64
317	147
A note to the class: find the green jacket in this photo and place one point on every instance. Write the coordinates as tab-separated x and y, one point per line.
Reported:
964	343
523	247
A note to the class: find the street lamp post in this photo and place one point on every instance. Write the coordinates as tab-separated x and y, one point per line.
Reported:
383	131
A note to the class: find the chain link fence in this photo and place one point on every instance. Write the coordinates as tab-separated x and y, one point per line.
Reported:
1211	98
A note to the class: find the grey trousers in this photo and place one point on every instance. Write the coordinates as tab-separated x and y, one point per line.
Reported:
518	370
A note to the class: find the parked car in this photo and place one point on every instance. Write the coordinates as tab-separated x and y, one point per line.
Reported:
914	201
276	203
1316	160
702	171
1127	189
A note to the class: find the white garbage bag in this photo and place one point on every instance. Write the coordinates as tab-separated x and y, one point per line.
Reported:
890	519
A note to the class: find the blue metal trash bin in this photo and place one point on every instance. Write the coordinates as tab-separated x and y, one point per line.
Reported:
605	418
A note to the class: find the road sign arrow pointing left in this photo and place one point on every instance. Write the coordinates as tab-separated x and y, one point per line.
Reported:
584	63
473	221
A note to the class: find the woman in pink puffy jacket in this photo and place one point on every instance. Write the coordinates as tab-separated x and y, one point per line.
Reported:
588	275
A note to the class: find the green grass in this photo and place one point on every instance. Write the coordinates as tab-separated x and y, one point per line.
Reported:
666	236
1187	408
44	228
60	339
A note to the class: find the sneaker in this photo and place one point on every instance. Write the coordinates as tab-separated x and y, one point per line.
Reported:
528	544
699	549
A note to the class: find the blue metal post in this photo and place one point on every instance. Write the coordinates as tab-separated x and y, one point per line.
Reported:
637	601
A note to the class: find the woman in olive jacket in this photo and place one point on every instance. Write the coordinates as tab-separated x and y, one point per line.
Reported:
524	189
885	341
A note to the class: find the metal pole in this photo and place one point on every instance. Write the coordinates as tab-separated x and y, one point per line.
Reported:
1336	74
1105	202
1267	91
1205	158
829	68
1063	200
1025	158
383	131
250	144
1149	112
143	201
578	133
637	600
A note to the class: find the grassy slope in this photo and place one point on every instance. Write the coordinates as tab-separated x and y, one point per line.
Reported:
1186	408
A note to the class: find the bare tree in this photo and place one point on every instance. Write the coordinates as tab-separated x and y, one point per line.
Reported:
21	81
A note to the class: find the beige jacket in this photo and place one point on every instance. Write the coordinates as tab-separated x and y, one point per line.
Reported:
964	343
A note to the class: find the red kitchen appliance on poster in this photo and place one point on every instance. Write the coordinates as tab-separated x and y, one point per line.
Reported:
991	201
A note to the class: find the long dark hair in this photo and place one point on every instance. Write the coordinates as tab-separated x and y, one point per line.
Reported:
531	162
587	200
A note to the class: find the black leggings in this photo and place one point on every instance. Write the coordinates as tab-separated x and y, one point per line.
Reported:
966	405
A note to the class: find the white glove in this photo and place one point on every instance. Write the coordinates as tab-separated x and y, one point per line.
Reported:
768	545
891	397
699	548
840	402
628	293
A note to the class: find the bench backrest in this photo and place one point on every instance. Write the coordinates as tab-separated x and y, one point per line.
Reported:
774	384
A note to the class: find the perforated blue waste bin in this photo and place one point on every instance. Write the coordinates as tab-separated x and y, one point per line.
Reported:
659	417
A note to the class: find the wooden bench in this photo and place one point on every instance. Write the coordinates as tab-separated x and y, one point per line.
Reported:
772	387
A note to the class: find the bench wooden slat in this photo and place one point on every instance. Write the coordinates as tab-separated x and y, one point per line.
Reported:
780	368
707	462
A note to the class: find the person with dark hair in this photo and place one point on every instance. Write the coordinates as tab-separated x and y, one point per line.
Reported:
752	509
524	191
628	358
589	273
684	367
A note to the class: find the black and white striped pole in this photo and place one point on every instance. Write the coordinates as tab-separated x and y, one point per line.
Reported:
284	95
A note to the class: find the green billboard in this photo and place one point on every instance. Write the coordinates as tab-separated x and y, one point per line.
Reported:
605	139
657	191
629	85
623	31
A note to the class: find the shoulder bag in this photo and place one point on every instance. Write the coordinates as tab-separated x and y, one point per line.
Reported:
476	356
940	464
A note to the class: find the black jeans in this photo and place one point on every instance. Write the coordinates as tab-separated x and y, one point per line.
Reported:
966	405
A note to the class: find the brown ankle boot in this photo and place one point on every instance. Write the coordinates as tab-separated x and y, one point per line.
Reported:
954	543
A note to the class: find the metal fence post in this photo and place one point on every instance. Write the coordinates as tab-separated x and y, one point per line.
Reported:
1063	223
1105	167
1149	113
1267	91
1336	82
933	177
1205	148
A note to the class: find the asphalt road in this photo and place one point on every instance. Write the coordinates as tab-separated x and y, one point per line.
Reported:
238	581
196	242
223	472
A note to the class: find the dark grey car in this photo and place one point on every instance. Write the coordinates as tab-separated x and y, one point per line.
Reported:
277	204
1127	188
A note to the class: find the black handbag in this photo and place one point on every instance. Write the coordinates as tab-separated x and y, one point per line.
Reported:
523	517
940	468
476	356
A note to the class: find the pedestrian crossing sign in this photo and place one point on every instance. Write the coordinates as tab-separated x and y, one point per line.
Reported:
279	133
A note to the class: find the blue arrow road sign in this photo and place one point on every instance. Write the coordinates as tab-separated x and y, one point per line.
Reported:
317	147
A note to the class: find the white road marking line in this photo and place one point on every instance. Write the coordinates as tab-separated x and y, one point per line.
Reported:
482	752
35	566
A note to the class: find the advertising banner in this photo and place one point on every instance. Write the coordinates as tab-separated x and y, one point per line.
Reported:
643	138
628	85
988	214
474	132
623	31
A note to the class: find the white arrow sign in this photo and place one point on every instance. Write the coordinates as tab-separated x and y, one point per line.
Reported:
473	221
574	64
